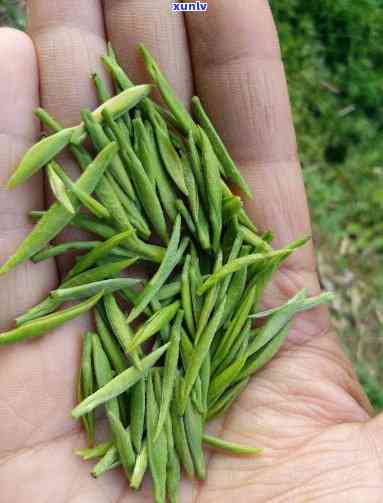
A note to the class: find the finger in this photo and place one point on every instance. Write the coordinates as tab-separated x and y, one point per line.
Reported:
19	94
30	411
163	33
239	76
69	48
25	404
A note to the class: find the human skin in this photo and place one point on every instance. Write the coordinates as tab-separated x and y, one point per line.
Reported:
306	408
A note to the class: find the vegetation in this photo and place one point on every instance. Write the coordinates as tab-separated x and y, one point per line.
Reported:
333	53
12	13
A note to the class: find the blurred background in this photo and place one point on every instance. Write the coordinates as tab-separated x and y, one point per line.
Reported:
333	53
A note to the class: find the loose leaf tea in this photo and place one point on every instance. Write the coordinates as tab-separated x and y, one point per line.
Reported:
174	343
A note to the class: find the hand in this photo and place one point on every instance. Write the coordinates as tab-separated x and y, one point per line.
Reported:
306	409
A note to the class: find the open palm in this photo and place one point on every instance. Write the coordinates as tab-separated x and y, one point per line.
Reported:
306	408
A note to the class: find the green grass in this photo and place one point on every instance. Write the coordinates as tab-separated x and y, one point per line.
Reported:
333	52
12	13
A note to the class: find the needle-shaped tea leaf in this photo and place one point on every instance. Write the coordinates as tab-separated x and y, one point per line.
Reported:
89	289
57	217
231	170
58	188
116	105
157	449
39	155
201	350
48	323
237	264
86	199
154	325
86	384
213	188
98	253
171	258
323	298
140	468
276	322
176	107
137	413
170	372
98	451
231	447
119	384
121	328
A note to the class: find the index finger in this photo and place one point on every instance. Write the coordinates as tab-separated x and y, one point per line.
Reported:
68	48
